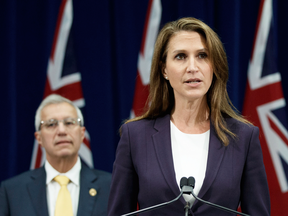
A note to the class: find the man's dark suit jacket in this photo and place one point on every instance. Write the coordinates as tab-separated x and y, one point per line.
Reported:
144	172
25	194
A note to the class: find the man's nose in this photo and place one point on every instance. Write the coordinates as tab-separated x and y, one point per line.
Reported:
61	127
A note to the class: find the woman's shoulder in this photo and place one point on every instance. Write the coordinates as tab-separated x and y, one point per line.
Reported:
235	124
139	124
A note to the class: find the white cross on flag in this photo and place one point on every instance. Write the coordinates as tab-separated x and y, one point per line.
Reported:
63	78
265	107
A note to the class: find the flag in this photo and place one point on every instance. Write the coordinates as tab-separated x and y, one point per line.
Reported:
150	32
63	78
265	104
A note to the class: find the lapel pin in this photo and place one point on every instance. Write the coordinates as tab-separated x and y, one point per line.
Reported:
92	192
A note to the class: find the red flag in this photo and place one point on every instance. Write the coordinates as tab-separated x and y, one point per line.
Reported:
63	78
150	32
265	106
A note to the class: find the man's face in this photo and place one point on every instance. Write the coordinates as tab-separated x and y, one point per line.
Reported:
62	141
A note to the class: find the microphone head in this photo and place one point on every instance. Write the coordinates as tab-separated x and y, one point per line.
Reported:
183	182
191	181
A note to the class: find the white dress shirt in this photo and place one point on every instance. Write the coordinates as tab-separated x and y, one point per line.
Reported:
52	187
190	153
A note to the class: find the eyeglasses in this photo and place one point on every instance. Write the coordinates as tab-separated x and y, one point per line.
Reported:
52	124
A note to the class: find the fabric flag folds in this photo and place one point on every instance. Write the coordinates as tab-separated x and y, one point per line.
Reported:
265	106
150	32
63	78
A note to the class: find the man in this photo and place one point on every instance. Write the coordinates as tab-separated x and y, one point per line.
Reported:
60	131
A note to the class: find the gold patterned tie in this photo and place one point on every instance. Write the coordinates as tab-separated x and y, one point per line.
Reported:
64	203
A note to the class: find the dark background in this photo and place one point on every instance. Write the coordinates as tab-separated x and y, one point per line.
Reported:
107	37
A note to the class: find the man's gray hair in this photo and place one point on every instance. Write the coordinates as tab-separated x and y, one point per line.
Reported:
54	99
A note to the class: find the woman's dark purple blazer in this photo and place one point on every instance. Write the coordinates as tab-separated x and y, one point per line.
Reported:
143	172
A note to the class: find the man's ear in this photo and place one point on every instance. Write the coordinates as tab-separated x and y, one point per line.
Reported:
83	129
37	135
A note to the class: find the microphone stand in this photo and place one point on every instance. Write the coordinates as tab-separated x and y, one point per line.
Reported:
191	183
186	208
184	189
219	207
153	207
187	186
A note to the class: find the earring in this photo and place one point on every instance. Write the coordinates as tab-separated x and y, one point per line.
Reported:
166	78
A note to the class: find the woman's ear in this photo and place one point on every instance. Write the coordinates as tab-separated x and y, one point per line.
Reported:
164	73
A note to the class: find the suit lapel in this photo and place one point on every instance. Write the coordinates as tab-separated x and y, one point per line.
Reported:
215	156
162	145
37	191
86	200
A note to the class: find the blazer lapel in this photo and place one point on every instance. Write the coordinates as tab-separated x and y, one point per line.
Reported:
37	191
215	157
87	188
162	145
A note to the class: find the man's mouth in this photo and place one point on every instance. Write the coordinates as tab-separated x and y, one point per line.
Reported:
63	142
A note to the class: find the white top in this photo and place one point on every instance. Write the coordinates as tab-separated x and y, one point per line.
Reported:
190	153
52	187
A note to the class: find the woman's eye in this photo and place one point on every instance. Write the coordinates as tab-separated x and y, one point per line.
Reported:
180	56
202	55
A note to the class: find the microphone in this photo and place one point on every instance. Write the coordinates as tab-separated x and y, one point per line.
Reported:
191	183
184	189
183	182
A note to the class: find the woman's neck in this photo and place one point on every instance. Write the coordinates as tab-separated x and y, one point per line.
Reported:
191	117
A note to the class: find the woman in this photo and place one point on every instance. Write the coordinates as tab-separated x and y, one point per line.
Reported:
189	129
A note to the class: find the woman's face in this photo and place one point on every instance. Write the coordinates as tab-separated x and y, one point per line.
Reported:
188	67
